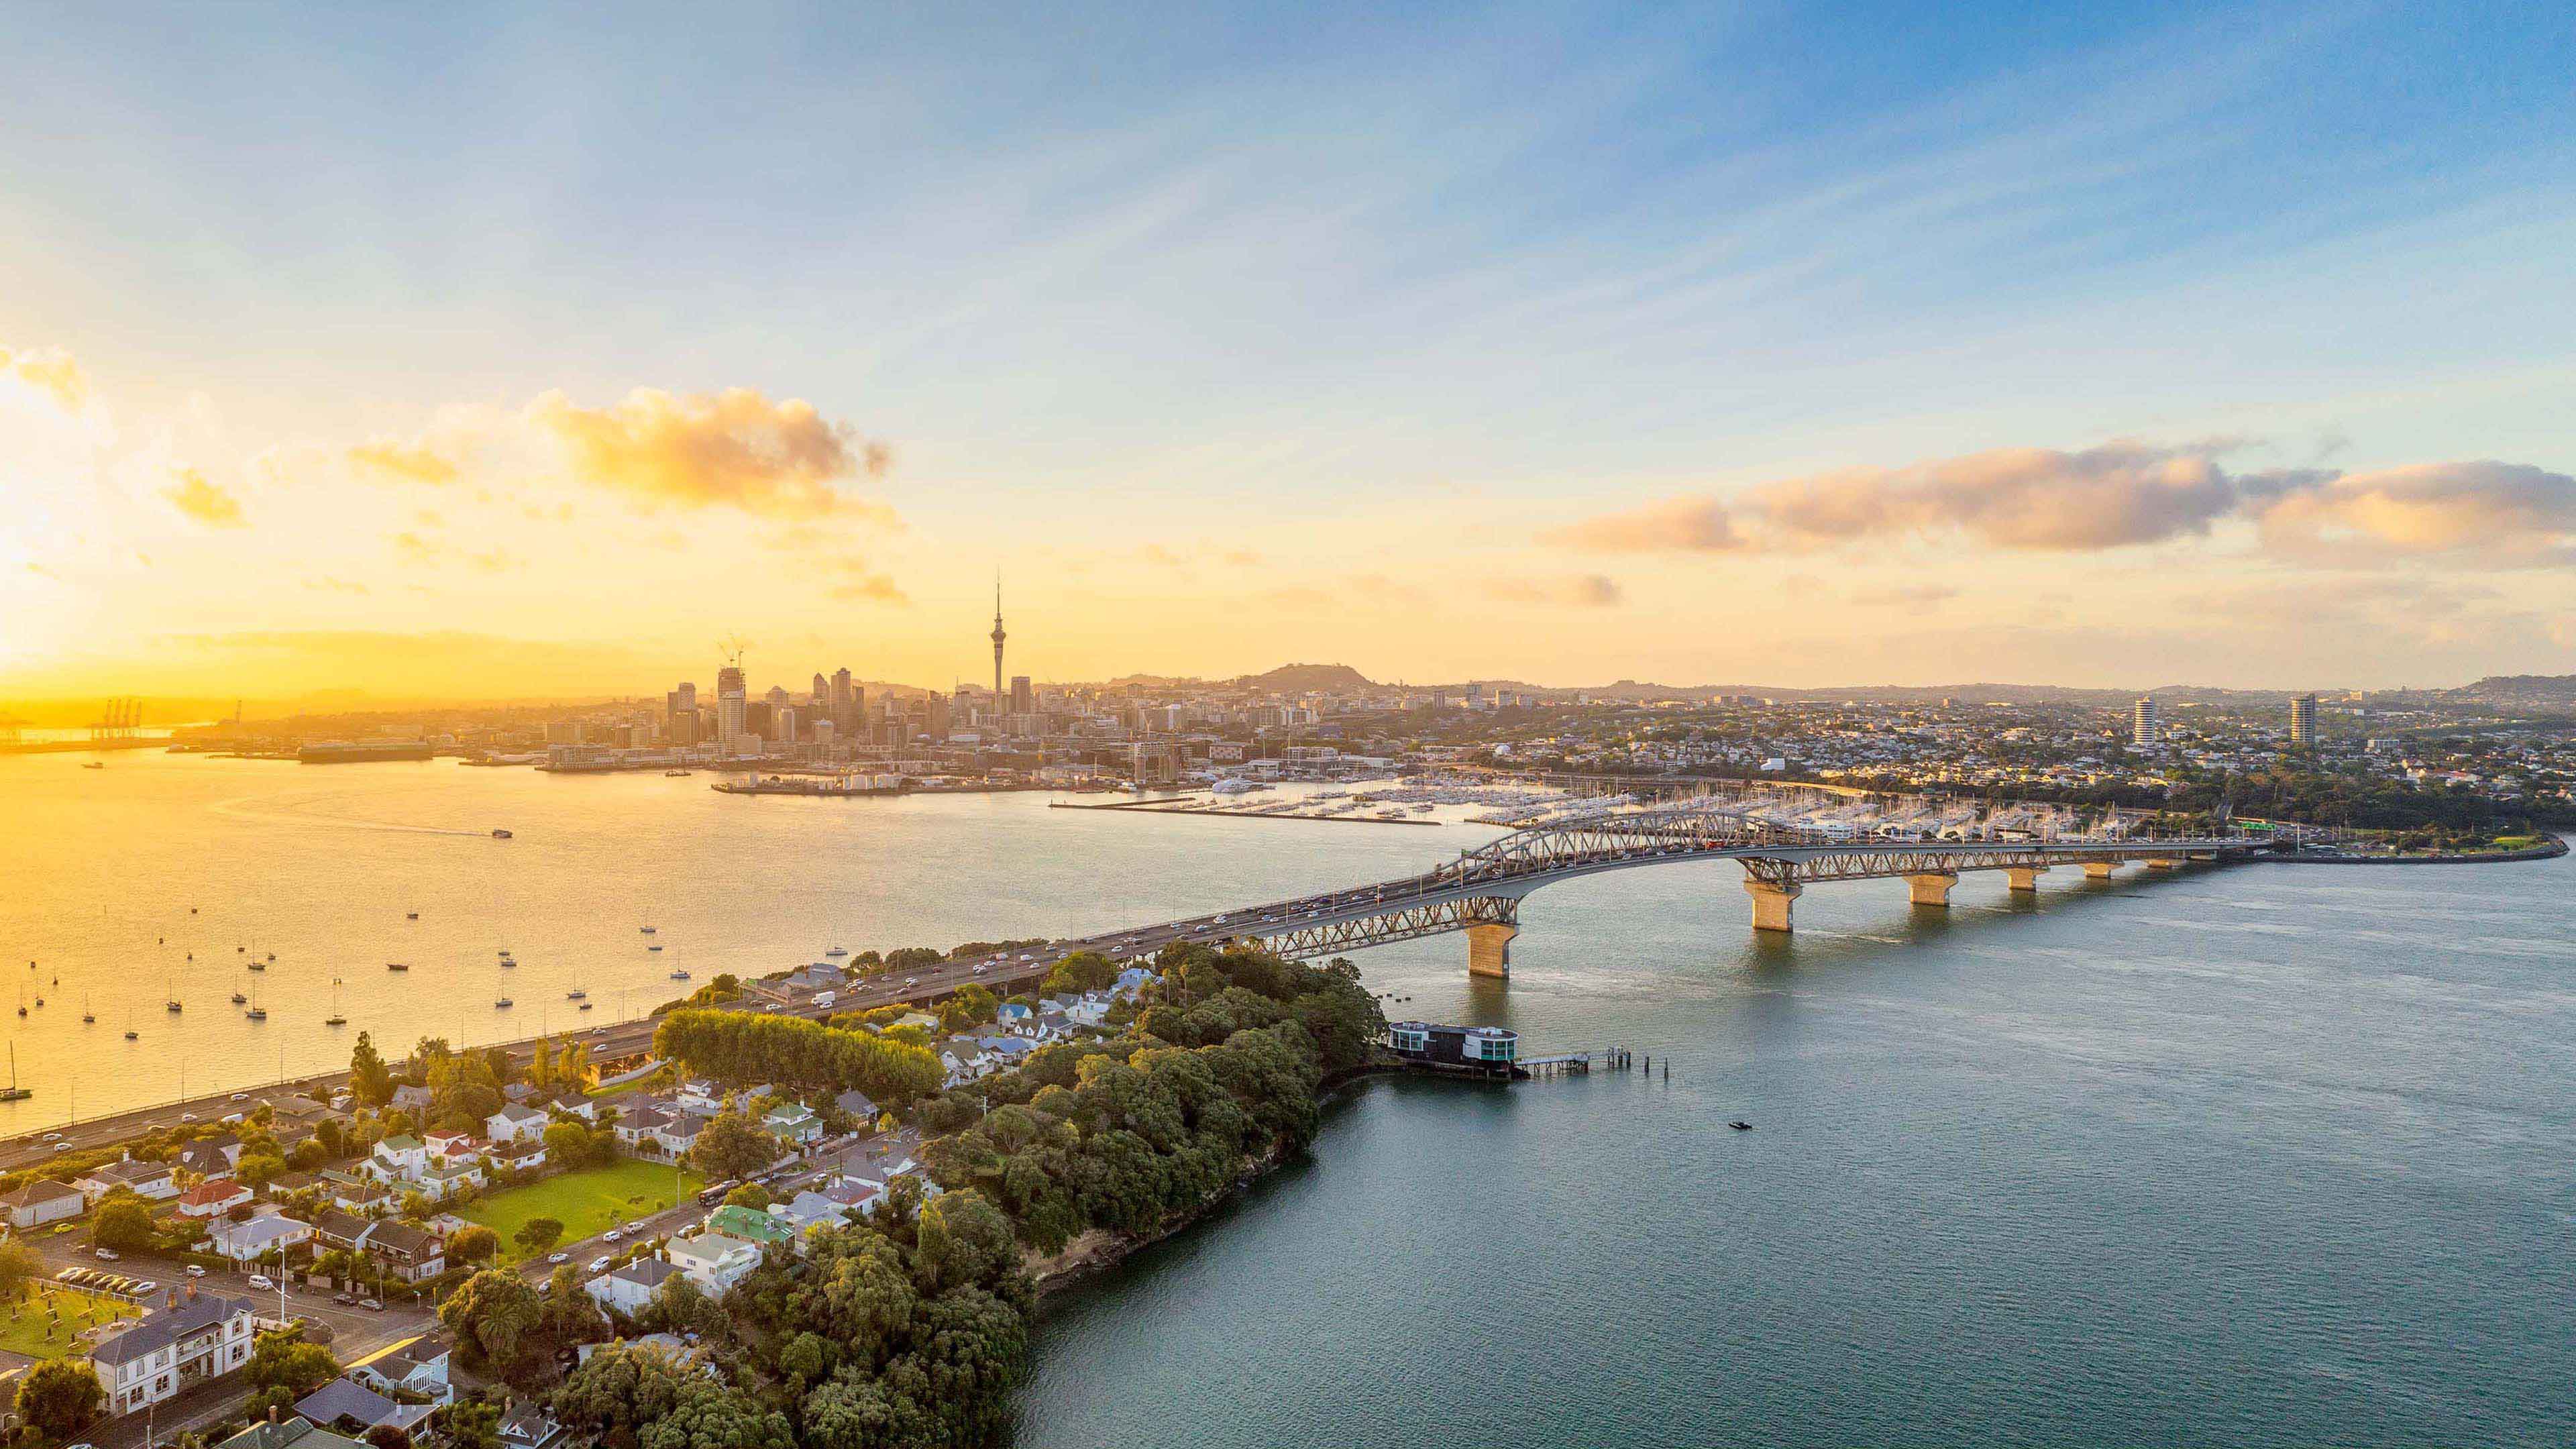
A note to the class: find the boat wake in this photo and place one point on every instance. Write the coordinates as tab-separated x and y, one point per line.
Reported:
248	808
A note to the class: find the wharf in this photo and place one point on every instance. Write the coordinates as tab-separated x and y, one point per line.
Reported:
1136	807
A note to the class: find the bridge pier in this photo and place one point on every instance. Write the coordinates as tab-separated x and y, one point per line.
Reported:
2165	862
1489	950
2023	879
1770	903
2100	869
1931	887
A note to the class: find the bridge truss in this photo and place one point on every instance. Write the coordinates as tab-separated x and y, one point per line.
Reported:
1430	918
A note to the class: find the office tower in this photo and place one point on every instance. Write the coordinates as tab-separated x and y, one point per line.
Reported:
731	704
2303	720
777	697
684	700
782	724
2145	729
1024	700
843	697
821	698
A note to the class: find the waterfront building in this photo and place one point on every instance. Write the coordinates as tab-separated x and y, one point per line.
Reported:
1487	1049
2303	720
2146	729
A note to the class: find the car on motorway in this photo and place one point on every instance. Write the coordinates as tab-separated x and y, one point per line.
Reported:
187	1116
104	1255
912	981
261	1282
53	1137
241	1096
62	1147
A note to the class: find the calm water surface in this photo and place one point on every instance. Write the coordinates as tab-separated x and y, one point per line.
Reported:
2267	1155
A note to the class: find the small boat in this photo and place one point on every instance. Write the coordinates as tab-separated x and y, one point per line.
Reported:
587	1005
90	765
1741	1126
837	952
238	998
656	946
256	1013
576	994
132	1035
411	915
674	774
335	1019
13	1092
172	1004
509	963
503	1004
648	930
500	835
396	966
679	975
259	965
271	956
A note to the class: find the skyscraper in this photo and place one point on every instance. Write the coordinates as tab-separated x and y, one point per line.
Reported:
843	705
731	698
2303	720
821	698
1024	700
2145	729
998	636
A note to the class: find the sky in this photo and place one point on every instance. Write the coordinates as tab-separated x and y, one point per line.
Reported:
494	352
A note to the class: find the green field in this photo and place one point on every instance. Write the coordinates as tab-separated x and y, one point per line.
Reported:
586	1202
24	1331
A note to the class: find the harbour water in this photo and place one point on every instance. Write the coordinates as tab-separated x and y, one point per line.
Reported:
2272	1154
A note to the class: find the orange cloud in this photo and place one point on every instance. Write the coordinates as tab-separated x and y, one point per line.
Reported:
401	462
735	449
1695	525
50	370
2503	513
208	503
1582	591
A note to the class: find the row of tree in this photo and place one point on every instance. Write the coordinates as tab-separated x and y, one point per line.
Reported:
740	1048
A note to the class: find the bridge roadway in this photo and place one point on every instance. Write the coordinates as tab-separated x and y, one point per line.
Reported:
1478	894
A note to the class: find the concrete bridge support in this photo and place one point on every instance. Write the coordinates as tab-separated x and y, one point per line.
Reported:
2165	862
2100	869
1931	888
2023	880
1770	904
1489	950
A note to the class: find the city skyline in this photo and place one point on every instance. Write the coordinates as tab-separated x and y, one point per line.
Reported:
1709	359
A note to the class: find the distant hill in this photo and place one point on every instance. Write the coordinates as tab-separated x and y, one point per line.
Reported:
1299	678
2525	690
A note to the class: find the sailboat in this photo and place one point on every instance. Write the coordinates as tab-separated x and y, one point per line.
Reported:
88	1017
13	1092
335	1018
22	1001
238	998
257	1012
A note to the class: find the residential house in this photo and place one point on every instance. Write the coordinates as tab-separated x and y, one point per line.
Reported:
449	1146
411	1099
418	1368
752	1225
518	1156
450	1178
406	1252
143	1179
1092	1010
289	1434
360	1197
854	1196
680	1133
213	1198
399	1158
922	1019
515	1124
858	1106
346	1404
529	1426
629	1288
209	1156
638	1128
341	1230
44	1201
807	1211
244	1242
1005	1052
700	1095
173	1349
713	1260
793	1123
570	1104
1013	1017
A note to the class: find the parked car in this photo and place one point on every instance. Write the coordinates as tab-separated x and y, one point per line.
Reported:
261	1282
615	1235
143	1289
598	1265
105	1255
195	1271
372	1305
558	1257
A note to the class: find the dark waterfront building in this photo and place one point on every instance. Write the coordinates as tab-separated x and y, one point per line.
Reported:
1490	1050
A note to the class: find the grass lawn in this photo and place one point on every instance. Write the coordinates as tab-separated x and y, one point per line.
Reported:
24	1330
586	1202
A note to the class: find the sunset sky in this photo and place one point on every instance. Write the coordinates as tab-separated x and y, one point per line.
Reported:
494	353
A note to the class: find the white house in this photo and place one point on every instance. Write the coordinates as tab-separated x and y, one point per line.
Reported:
808	1210
43	1201
213	1198
400	1158
515	1124
419	1369
629	1288
143	1179
244	1242
173	1349
793	1123
713	1261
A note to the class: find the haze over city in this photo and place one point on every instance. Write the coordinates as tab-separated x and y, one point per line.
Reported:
2116	347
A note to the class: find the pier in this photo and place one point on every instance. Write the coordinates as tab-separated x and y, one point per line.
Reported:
1564	1064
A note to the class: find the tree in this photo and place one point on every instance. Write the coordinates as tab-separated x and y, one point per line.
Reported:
495	1315
971	1006
730	1146
371	1082
386	1436
571	1145
19	1266
541	1064
623	1388
538	1234
750	1195
258	1172
283	1360
709	1415
122	1223
474	1243
1083	971
60	1397
472	1424
572	1066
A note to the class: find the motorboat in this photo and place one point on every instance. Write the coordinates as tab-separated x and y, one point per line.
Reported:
500	835
576	994
1741	1126
656	946
503	1004
837	952
679	975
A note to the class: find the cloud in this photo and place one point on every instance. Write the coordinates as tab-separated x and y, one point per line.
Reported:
875	589
49	370
858	580
735	449
2118	495
394	460
415	548
336	586
1582	591
1917	595
2501	513
208	503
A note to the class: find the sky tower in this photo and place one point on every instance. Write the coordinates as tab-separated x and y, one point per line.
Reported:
998	636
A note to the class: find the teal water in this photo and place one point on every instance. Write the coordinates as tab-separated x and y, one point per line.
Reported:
2267	1155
